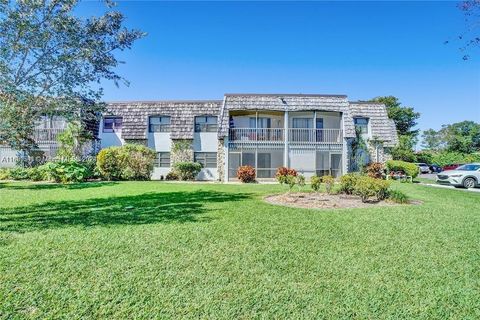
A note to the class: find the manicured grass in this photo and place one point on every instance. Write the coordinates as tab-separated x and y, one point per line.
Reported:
159	250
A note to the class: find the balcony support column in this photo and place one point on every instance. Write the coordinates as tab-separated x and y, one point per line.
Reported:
286	140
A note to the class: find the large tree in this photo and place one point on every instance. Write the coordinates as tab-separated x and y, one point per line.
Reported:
405	118
52	62
431	140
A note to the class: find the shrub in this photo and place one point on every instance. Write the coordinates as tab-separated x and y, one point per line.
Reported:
367	187
290	181
187	170
109	164
19	173
284	171
39	173
410	169
375	170
172	175
397	196
347	182
329	182
67	171
316	183
137	162
4	174
246	174
128	162
300	181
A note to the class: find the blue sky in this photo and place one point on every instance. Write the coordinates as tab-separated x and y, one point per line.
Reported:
201	50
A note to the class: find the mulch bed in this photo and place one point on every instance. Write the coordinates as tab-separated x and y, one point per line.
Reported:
325	201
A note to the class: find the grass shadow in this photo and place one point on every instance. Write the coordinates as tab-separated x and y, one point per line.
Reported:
49	186
148	208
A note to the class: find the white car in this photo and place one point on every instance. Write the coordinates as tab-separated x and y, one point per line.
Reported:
423	168
466	176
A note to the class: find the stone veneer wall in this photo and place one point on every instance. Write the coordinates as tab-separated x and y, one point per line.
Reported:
182	150
221	160
383	153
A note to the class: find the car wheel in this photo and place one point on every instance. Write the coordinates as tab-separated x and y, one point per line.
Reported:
469	183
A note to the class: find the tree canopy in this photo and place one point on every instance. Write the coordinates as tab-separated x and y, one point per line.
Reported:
405	118
52	62
461	137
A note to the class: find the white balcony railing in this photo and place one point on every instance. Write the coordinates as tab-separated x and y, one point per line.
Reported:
332	136
315	135
46	135
263	134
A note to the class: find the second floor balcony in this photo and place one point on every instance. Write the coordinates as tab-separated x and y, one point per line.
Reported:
292	135
46	135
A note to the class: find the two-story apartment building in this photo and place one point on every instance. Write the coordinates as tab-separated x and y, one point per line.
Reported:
311	133
308	132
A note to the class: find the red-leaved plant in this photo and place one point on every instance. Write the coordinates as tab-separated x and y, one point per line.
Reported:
246	174
284	171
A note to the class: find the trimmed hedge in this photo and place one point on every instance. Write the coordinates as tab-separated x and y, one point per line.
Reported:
187	170
410	169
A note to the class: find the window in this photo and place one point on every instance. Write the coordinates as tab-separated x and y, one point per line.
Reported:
162	160
206	124
302	123
112	124
159	124
361	124
207	159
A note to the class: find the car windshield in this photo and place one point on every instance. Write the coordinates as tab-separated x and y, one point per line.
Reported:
469	167
423	164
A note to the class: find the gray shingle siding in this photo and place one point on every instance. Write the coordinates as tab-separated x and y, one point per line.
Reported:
136	113
382	127
135	116
287	102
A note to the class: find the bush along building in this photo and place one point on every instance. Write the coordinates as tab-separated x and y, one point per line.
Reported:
314	134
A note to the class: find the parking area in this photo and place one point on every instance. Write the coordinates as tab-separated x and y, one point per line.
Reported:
450	187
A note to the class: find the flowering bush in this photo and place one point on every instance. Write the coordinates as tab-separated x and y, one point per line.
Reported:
246	174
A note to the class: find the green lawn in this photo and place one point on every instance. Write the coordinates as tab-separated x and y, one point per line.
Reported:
151	249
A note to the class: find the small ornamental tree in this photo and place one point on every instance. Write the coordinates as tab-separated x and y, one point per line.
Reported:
316	183
329	182
300	181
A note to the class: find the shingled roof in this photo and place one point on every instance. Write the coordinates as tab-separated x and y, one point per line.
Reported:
286	102
135	116
135	113
382	127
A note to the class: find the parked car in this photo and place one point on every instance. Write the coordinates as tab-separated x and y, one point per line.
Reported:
435	169
466	176
452	166
423	167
